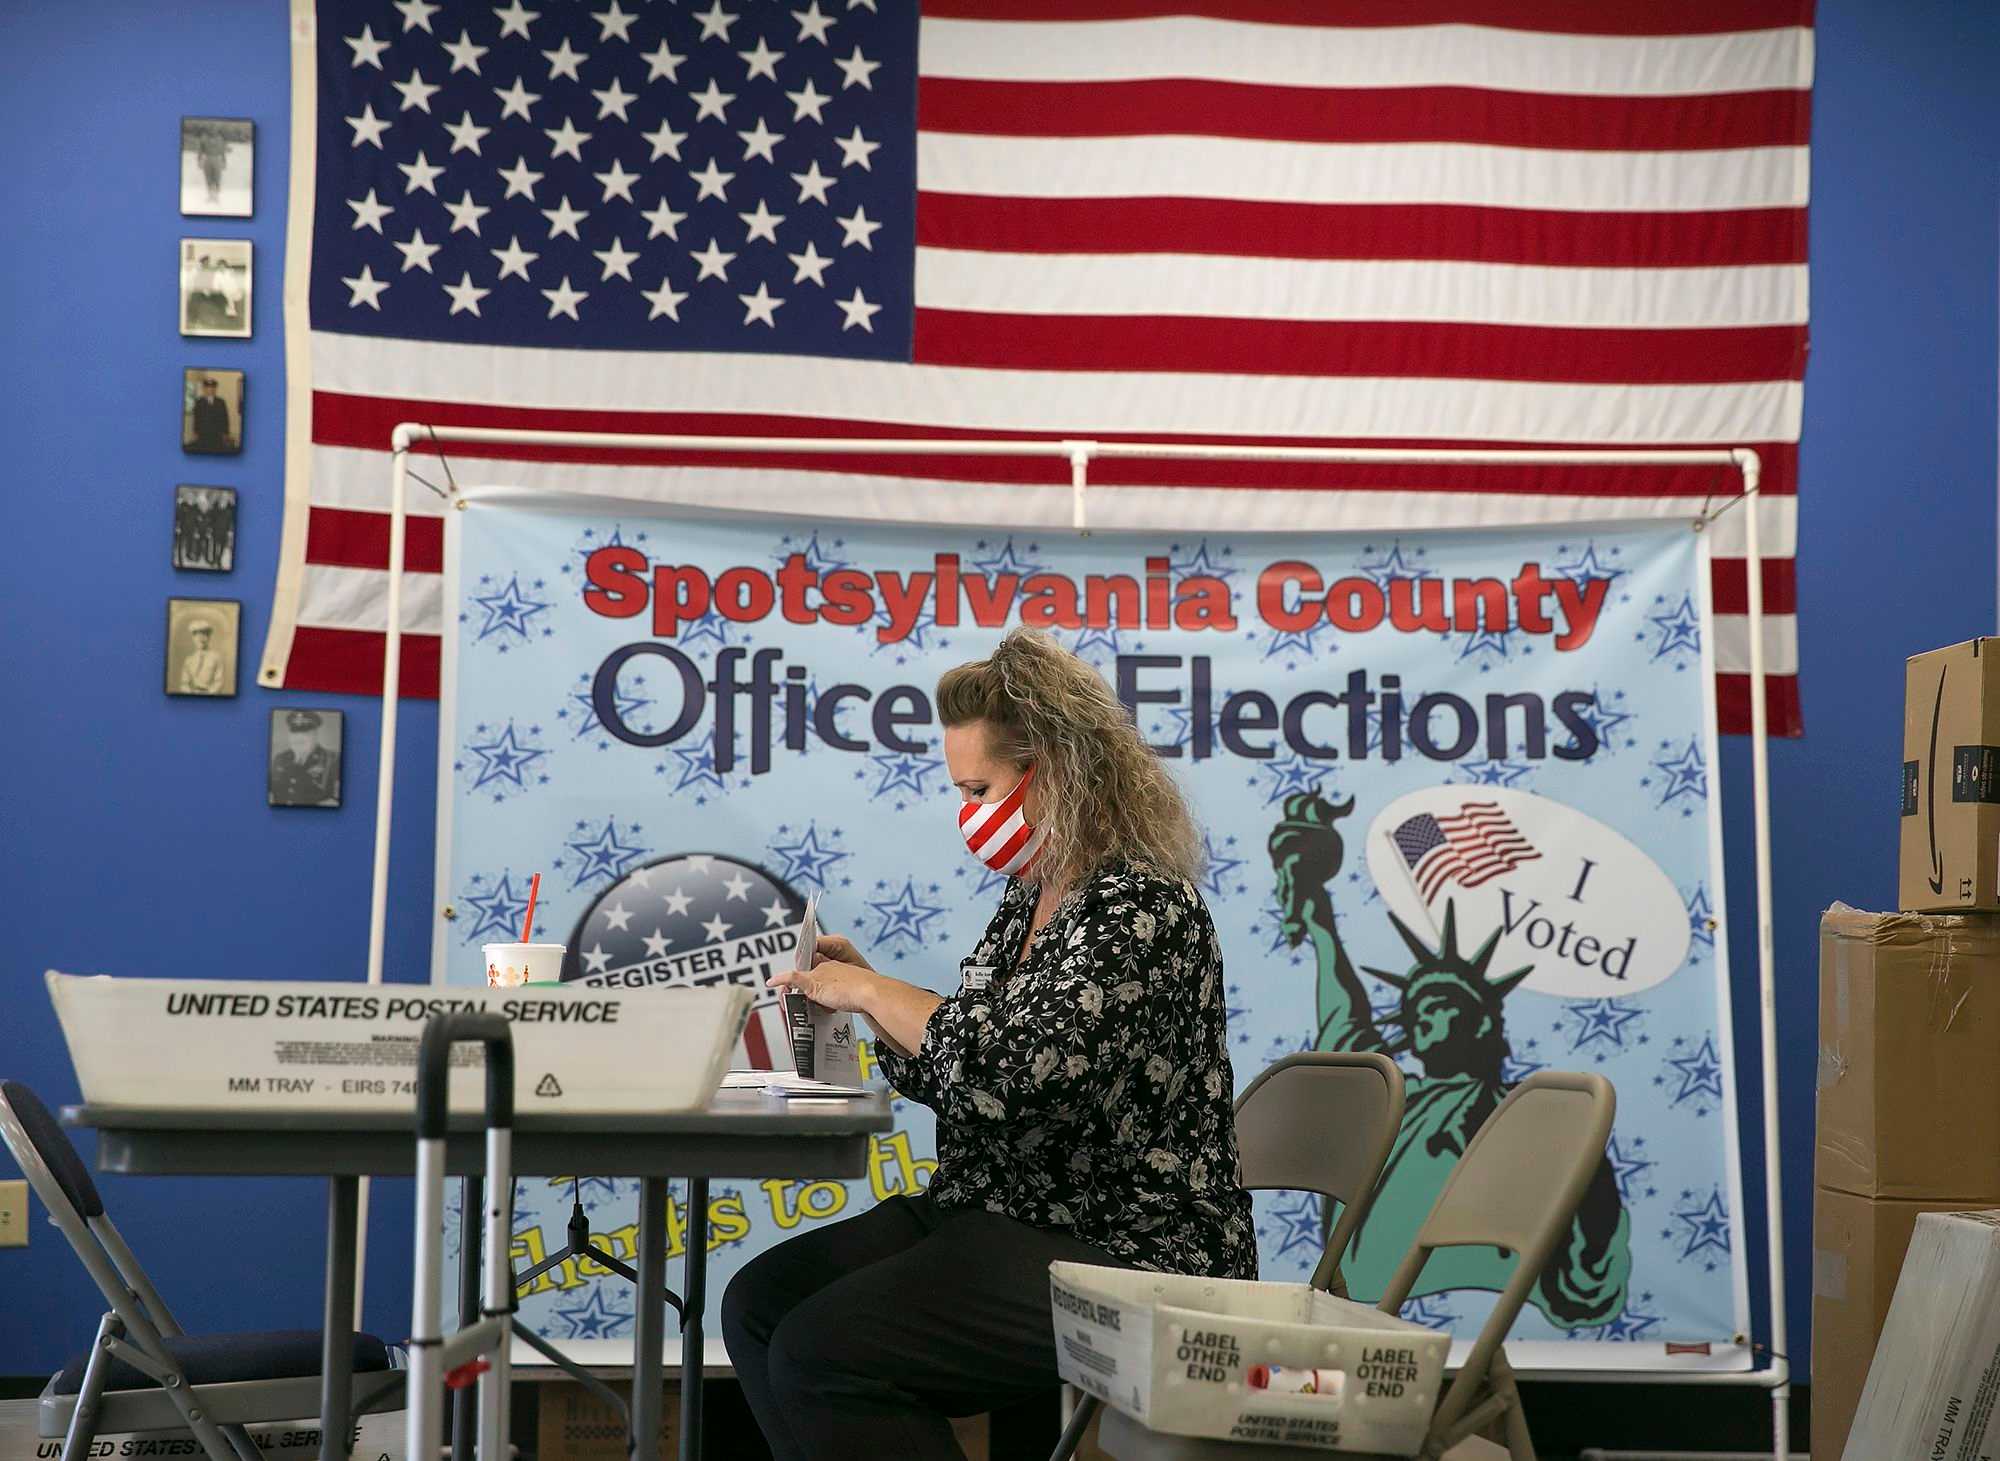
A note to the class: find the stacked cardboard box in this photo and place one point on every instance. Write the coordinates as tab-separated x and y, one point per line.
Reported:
1909	1086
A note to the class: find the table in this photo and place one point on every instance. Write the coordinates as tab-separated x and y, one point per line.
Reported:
742	1133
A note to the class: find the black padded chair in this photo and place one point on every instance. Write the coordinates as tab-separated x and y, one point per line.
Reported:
142	1372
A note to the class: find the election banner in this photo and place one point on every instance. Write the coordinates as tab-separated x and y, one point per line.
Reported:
1457	791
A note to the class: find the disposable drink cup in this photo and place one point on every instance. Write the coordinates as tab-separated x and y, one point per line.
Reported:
510	965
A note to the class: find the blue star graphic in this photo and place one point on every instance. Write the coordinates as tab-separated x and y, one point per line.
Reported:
1431	1311
817	558
1701	914
710	625
1680	629
1514	1067
1217	865
603	855
505	758
1687	774
1707	1228
1588	566
1600	715
1629	1326
1628	1166
596	1317
987	881
904	915
1393	564
1700	1074
1487	641
508	609
1295	641
593	1190
808	859
902	771
1178	727
1494	773
1200	563
589	544
1007	561
497	911
1298	773
697	767
1092	637
920	636
1600	1020
587	709
1297	1216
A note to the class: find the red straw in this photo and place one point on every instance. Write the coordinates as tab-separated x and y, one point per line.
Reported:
528	923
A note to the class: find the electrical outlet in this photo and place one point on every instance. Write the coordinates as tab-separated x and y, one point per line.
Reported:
13	1214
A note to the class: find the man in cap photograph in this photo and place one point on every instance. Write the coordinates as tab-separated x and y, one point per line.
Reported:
305	773
204	671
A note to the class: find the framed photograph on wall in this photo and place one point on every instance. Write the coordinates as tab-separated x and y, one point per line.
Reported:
212	411
305	758
215	287
218	156
205	528
201	646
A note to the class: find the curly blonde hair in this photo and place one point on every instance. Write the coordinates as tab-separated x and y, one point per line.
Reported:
1104	795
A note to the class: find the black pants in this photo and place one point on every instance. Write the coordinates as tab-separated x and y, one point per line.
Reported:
857	1339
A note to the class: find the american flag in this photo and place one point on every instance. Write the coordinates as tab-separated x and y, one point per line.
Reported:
1473	845
1309	222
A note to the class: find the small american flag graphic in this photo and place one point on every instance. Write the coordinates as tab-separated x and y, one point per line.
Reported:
1469	847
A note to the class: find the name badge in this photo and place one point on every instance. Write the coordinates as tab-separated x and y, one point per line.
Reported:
975	976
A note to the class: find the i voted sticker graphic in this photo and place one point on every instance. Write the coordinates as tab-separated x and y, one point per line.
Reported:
1587	908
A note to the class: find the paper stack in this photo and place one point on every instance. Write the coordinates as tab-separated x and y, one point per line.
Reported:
1936	1376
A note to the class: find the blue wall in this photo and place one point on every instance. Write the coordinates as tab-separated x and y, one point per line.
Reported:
141	842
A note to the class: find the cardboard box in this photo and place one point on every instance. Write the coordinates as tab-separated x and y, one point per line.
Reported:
1909	1083
378	1437
1188	1356
1858	1247
574	1425
1950	856
1935	1377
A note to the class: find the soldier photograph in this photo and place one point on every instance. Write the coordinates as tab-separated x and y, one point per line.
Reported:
212	411
217	156
205	528
305	758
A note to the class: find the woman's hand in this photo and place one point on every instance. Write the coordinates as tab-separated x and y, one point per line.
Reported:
836	984
835	947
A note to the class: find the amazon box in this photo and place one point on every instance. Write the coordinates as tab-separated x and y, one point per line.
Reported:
1858	1247
1950	858
1909	1086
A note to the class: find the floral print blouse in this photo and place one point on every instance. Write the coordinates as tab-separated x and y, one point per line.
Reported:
1089	1090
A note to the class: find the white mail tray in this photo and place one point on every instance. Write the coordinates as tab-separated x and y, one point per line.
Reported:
1178	1354
233	1044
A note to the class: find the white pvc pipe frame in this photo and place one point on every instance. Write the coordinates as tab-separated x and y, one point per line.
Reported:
1079	454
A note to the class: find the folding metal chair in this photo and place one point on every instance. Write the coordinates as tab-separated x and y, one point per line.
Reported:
1517	1188
143	1372
1324	1122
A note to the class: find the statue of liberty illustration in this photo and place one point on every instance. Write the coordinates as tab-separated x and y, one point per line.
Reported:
1452	1022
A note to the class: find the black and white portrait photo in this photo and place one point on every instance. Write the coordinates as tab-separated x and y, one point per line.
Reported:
212	411
217	154
305	758
201	646
205	528
215	287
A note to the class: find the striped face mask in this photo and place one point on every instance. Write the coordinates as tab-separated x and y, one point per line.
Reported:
998	834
